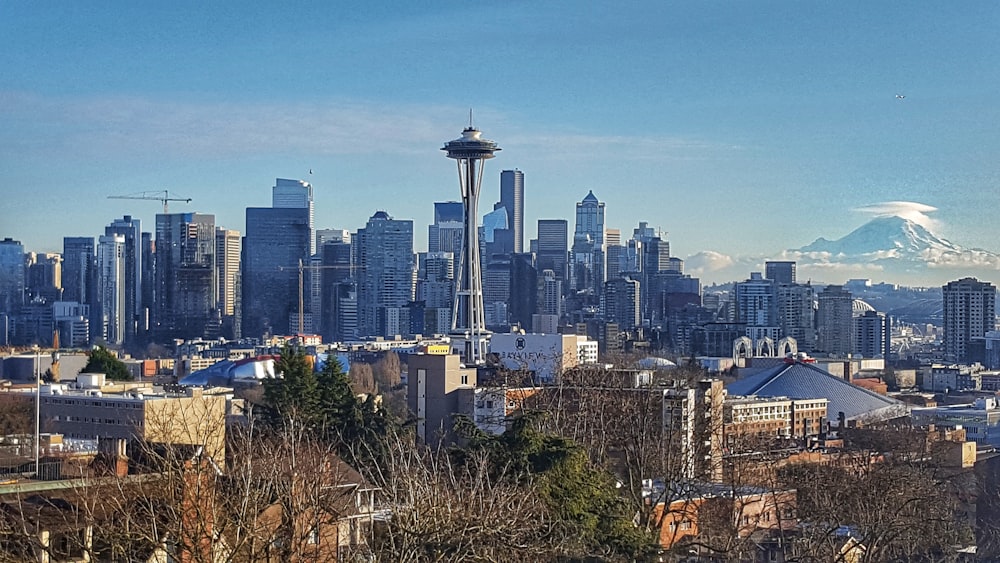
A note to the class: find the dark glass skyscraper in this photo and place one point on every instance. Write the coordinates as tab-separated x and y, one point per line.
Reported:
553	246
276	240
78	269
512	199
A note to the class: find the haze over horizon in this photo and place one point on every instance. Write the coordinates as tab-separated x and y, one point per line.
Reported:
743	130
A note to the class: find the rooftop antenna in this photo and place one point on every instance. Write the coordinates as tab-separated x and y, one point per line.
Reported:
470	119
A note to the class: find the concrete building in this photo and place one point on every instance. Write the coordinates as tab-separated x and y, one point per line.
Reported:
437	388
694	414
546	356
91	412
969	312
980	419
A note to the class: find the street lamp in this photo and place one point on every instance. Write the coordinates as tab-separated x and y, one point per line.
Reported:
38	407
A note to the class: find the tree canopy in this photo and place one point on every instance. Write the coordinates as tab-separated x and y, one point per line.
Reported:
102	360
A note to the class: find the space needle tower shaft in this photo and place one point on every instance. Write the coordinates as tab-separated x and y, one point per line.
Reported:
468	322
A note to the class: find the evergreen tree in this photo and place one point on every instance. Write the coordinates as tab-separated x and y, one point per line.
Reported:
102	360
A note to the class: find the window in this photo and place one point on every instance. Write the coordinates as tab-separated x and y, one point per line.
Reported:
313	537
465	380
685	524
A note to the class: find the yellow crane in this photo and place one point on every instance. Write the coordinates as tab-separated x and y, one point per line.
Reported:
162	196
301	268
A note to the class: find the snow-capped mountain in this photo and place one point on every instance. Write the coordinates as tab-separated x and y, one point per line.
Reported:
886	237
887	248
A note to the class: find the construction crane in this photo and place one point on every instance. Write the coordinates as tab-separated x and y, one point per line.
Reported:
301	268
158	195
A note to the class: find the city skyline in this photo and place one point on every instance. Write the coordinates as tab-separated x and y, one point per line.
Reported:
753	129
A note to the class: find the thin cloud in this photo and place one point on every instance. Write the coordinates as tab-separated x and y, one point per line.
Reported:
117	125
913	211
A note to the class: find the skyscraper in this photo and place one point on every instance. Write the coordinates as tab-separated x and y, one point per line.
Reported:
445	234
112	289
756	307
227	262
295	194
781	271
386	273
797	314
78	268
12	276
339	289
553	248
277	241
620	302
834	321
512	199
872	334
186	283
969	312
470	152
129	228
587	270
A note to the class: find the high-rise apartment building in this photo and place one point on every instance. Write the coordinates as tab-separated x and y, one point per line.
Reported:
797	314
834	321
872	333
512	199
295	194
386	273
227	262
553	246
186	286
756	306
112	290
620	302
129	228
969	312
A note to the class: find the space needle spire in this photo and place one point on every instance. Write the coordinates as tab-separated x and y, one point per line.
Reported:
468	321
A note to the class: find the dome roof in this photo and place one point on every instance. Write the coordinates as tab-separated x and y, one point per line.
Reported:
653	362
859	307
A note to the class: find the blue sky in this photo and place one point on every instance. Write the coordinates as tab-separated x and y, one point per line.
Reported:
743	128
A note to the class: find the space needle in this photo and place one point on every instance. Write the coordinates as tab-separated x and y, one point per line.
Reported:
468	321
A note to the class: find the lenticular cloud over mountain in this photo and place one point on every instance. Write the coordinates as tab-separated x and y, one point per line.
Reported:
909	210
